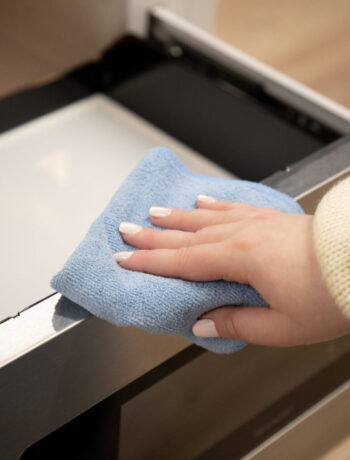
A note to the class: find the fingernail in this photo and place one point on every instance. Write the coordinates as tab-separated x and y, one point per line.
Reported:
205	328
128	228
159	212
122	256
206	199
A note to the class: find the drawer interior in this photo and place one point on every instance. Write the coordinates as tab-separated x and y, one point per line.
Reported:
236	130
222	115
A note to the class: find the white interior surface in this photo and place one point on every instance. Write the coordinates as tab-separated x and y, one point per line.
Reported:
57	173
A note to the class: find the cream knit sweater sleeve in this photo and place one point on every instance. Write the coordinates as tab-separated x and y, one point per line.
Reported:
331	233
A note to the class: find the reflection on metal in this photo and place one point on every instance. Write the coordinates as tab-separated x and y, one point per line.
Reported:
311	434
57	361
310	199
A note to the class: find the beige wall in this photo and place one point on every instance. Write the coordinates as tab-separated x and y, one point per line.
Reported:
39	38
308	40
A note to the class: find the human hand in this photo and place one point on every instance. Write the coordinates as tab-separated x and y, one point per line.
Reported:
268	249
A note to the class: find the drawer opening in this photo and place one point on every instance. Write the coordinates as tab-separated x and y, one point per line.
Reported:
222	115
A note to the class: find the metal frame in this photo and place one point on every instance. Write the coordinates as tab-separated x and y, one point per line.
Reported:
66	362
167	26
318	415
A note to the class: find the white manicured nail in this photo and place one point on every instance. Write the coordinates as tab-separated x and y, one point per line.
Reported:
122	256
205	328
206	199
156	211
128	228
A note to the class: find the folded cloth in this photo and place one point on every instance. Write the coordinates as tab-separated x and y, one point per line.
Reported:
92	278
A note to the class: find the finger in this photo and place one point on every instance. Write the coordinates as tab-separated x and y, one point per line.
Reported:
204	262
258	325
148	238
208	202
193	220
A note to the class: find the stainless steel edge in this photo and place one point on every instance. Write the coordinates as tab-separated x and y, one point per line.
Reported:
312	433
65	362
301	177
275	83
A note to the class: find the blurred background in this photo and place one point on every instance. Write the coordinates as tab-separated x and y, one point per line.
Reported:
306	39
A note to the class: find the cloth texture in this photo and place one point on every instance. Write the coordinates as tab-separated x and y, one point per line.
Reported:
92	278
332	242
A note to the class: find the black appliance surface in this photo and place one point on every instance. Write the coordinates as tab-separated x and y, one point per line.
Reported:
233	129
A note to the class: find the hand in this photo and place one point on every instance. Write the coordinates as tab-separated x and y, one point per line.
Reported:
268	249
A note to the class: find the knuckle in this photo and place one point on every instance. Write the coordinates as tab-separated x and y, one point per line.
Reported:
182	257
264	214
240	206
225	205
191	238
231	327
181	215
243	242
199	235
223	217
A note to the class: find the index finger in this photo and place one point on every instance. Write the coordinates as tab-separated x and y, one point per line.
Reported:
203	262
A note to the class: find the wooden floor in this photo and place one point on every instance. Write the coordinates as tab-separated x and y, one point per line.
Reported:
308	40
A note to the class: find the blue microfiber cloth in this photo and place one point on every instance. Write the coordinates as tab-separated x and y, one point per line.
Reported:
93	279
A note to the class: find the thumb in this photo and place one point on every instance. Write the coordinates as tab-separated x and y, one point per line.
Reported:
258	325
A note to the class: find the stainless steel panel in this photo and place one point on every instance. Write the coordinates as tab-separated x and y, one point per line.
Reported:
312	434
211	397
57	361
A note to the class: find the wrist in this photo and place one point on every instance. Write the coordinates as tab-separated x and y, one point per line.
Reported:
331	235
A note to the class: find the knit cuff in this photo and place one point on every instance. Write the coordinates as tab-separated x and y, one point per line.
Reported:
332	242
